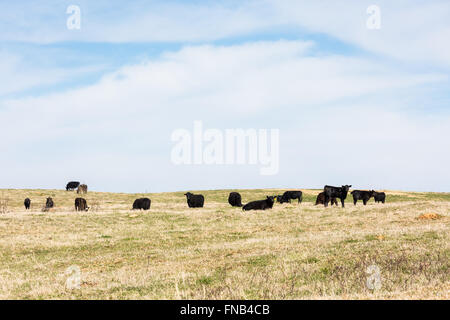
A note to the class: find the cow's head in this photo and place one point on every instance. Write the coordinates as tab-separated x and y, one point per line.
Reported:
346	187
188	194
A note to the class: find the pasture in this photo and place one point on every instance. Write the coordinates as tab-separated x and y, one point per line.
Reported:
220	252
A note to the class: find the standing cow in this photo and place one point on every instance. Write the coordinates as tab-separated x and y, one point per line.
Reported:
142	204
234	199
321	199
362	195
49	203
335	192
291	195
27	203
82	188
379	196
194	200
81	204
72	185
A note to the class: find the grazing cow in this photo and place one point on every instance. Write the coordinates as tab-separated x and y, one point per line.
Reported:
49	203
362	195
260	204
335	192
379	196
321	199
142	204
289	195
72	185
234	199
82	188
27	203
81	204
194	200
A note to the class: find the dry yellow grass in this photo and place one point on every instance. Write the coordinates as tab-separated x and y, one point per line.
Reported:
219	252
433	216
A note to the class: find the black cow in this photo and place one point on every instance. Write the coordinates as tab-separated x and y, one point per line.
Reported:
362	195
278	198
234	199
321	199
335	192
290	195
81	204
379	196
27	203
49	203
72	185
194	200
142	204
260	204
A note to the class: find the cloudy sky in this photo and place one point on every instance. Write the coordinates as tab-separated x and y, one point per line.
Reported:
353	105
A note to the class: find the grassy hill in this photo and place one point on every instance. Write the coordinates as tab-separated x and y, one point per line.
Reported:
218	252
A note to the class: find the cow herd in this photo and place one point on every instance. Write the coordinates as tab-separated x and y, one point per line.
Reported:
330	194
80	203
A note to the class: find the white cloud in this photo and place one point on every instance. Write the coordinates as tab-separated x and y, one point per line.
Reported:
19	75
120	127
16	78
411	30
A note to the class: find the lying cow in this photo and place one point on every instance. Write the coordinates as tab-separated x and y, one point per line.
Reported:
27	203
81	204
362	195
260	204
194	200
321	199
379	196
72	185
335	192
234	199
142	204
291	195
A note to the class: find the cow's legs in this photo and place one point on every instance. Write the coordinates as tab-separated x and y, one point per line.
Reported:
325	201
342	201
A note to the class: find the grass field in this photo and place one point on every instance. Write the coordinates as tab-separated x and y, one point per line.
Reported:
219	252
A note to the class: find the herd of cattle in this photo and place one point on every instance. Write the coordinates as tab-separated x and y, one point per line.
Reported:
329	195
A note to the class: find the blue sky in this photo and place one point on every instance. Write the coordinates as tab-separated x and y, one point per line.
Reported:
353	105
